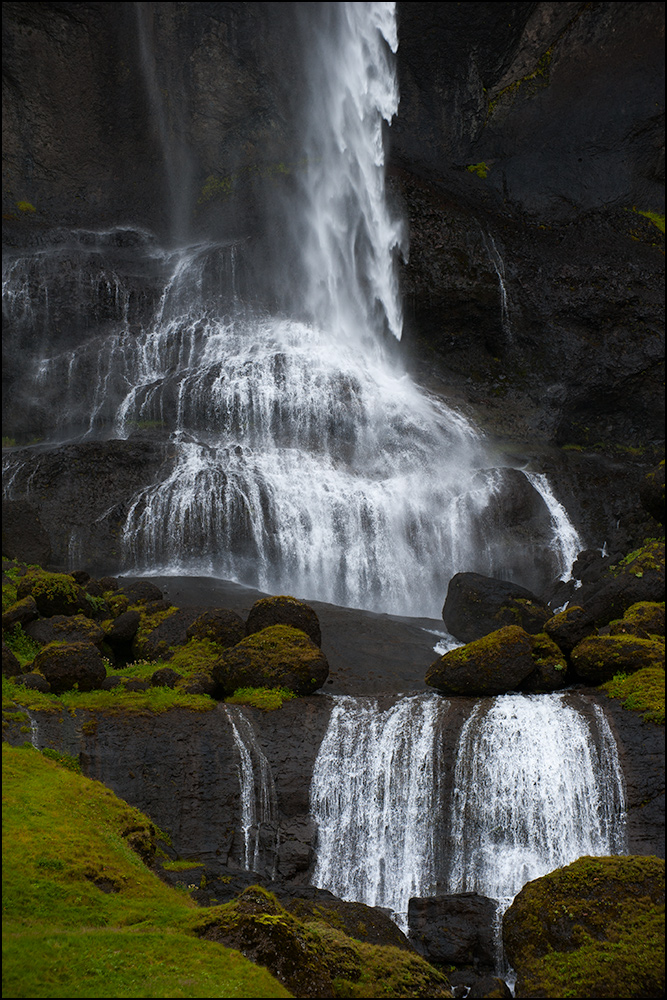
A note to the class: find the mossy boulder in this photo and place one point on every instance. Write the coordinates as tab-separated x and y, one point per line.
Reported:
477	605
284	610
550	671
223	627
597	658
639	577
121	631
65	628
69	665
359	921
592	929
53	593
20	613
495	664
277	657
312	958
643	691
567	628
10	665
643	620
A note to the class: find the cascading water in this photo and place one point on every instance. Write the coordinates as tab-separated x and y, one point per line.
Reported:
374	798
259	806
302	457
537	784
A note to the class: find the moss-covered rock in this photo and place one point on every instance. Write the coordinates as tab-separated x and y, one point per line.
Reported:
638	577
495	664
643	691
477	605
10	665
223	627
69	665
569	627
550	671
20	613
592	929
276	657
65	628
284	610
313	959
643	620
53	593
597	658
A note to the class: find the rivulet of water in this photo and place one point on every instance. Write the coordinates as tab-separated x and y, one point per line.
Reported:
259	809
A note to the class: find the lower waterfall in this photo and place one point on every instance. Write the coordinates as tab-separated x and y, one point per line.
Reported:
535	783
374	797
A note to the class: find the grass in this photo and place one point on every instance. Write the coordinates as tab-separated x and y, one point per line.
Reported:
153	701
643	691
267	699
82	914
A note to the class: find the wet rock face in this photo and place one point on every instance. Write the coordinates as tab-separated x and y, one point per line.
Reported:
455	929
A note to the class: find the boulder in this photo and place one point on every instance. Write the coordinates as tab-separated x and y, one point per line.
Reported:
225	628
456	929
141	592
65	628
488	987
123	629
171	629
20	613
69	665
639	577
592	929
550	671
597	658
495	664
647	618
34	681
476	605
53	593
359	921
284	611
165	677
569	627
10	665
278	656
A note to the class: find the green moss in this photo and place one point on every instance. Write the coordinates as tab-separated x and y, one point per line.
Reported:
592	929
25	206
267	699
643	691
651	556
655	218
22	646
181	866
528	85
82	914
479	169
8	442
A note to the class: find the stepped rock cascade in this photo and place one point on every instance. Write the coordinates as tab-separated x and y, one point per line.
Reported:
259	807
537	784
301	457
374	798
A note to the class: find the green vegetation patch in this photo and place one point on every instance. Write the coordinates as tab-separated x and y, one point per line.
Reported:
593	929
22	646
643	691
654	217
153	701
479	169
82	914
267	699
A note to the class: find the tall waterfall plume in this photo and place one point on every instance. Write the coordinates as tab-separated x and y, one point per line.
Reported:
302	458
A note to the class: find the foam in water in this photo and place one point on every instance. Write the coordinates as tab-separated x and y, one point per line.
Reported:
374	799
537	784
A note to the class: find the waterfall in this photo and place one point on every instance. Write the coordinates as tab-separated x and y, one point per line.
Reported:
374	798
259	807
302	457
537	784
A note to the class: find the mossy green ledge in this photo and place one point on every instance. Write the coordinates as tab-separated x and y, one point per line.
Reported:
497	663
599	657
